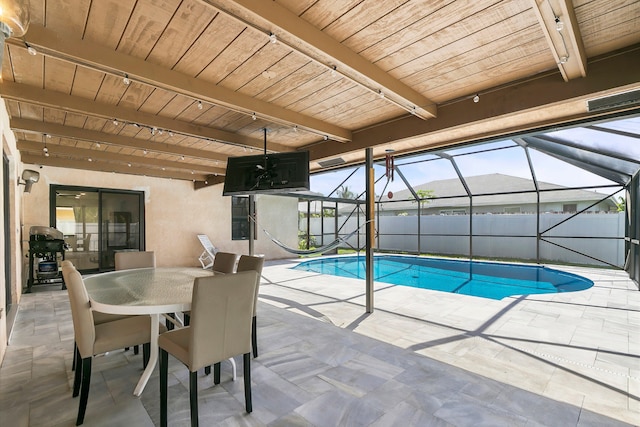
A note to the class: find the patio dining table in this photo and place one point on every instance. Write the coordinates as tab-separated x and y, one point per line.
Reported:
144	291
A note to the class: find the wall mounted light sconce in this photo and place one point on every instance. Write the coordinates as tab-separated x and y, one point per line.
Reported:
29	177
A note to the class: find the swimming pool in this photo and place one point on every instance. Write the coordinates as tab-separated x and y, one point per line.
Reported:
481	279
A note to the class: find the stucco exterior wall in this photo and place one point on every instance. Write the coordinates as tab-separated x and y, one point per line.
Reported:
175	214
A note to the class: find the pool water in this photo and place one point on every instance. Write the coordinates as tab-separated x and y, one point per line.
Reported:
480	279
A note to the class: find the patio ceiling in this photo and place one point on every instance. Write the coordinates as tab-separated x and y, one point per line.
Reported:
172	88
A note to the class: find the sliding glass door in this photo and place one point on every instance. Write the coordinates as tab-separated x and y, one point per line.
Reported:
97	223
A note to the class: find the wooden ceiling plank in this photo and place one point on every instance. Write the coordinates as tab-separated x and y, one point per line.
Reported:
27	125
435	17
447	60
91	54
52	99
109	167
23	68
58	75
135	95
86	82
361	16
157	101
69	15
461	38
147	23
300	31
82	153
201	52
251	70
186	25
108	31
320	16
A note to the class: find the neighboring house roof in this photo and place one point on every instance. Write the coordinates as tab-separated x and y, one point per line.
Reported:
489	184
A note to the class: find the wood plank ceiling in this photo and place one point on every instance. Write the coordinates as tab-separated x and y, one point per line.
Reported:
171	88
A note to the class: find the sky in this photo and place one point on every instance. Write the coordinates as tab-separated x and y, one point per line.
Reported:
509	161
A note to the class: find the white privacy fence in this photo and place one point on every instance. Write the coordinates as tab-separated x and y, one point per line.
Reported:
511	236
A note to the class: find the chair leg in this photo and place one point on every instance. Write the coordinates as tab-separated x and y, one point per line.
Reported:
75	351
164	372
136	350
254	336
246	365
207	370
193	397
146	352
78	375
84	393
169	323
216	373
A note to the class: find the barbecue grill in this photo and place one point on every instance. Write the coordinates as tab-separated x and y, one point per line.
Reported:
46	246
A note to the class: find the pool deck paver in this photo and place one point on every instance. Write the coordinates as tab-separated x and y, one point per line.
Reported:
576	347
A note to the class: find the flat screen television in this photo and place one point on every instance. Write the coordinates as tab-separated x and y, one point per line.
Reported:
267	173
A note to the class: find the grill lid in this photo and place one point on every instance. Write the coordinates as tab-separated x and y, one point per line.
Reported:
49	233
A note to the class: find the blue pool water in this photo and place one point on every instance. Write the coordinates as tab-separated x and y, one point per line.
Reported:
480	279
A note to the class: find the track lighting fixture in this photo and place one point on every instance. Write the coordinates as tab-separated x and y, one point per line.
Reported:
115	122
129	164
170	133
326	137
126	80
181	157
90	160
476	98
253	116
295	128
380	93
144	152
273	38
333	71
564	59
199	105
32	50
98	145
559	23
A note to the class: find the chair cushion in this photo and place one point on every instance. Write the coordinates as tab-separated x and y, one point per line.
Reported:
104	317
176	342
133	330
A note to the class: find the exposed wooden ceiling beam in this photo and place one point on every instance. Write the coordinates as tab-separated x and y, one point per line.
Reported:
312	42
62	131
83	154
57	100
560	27
89	54
108	167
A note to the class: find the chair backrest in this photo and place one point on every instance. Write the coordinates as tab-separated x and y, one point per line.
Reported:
224	262
128	260
221	316
83	325
252	263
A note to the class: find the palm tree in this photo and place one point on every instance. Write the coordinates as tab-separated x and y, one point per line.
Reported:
345	193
